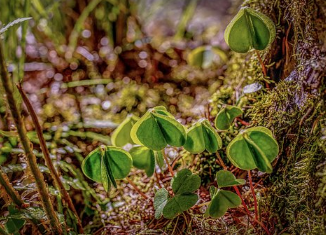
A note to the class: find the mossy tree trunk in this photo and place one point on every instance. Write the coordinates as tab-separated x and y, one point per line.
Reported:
294	108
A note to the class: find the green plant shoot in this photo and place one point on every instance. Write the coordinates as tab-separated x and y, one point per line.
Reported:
157	129
143	158
121	135
184	183
202	136
106	164
227	179
221	201
226	116
249	29
253	148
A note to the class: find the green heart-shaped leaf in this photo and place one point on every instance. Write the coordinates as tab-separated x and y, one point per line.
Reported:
249	29
160	200
156	129
121	135
143	158
221	201
226	116
105	164
226	179
179	204
203	56
253	148
202	136
184	183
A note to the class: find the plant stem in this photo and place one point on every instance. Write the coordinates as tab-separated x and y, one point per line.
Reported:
261	63
137	189
253	194
31	158
3	232
46	154
263	67
203	204
242	201
12	193
167	162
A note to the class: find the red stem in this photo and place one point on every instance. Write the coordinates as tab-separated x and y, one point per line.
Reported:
137	189
243	202
253	194
167	162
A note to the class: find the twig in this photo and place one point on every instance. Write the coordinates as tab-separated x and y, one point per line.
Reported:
46	154
137	189
31	158
167	162
253	194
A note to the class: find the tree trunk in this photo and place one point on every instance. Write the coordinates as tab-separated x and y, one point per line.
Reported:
294	108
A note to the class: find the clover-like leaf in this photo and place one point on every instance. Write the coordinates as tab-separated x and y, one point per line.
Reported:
249	29
226	116
226	179
184	183
105	164
160	200
203	56
143	158
202	136
253	148
179	204
121	136
158	128
221	201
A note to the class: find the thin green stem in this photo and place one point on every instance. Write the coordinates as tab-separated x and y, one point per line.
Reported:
57	181
12	193
31	158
